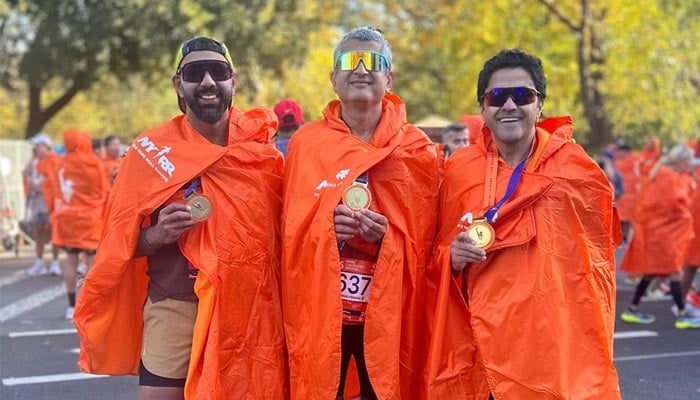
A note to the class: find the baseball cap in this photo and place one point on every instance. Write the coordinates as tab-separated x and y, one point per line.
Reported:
289	113
41	138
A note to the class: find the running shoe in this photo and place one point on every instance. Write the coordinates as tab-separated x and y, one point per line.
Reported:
37	269
55	268
690	310
69	312
637	317
687	322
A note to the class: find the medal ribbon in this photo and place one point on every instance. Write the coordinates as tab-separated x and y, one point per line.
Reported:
192	189
513	182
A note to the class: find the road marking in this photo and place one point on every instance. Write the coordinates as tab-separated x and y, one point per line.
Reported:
31	302
29	380
655	356
73	351
42	333
12	278
634	334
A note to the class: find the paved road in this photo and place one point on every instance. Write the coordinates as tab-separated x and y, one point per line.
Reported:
38	347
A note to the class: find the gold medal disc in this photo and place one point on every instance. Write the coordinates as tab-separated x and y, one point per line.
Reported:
357	197
200	206
482	233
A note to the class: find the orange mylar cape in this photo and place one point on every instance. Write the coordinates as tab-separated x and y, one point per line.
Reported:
48	168
79	188
649	156
693	256
111	166
628	167
663	225
325	158
538	323
238	349
474	124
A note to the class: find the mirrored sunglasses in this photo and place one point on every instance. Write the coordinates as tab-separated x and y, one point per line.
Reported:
349	60
195	71
521	96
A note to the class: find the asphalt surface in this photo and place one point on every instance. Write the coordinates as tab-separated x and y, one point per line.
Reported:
38	346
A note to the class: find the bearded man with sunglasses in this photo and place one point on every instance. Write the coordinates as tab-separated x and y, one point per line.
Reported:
185	291
524	262
358	221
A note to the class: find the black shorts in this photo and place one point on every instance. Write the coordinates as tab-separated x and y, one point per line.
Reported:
75	250
146	378
352	345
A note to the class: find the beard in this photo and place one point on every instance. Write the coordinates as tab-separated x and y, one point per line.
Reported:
209	113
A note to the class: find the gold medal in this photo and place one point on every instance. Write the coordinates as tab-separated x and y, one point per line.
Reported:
200	207
357	197
482	233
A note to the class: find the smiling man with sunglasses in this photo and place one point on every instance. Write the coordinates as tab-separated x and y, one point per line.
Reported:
184	290
359	217
524	263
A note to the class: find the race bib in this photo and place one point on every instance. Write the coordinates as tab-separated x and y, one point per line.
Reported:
355	284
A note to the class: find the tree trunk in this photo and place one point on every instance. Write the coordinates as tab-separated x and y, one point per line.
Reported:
38	117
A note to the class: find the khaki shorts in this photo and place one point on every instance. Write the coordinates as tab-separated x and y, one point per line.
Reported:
167	337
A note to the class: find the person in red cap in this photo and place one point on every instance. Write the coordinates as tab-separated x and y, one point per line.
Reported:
291	118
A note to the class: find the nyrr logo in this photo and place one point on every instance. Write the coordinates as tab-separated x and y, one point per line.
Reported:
155	157
342	174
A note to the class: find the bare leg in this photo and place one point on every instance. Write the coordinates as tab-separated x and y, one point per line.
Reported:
70	274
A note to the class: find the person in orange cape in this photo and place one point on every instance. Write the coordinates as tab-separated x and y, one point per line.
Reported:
359	214
185	288
474	124
454	137
649	155
692	259
112	157
627	164
663	230
80	188
523	271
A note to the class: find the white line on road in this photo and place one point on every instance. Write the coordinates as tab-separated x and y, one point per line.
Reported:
12	278
73	351
42	333
28	380
655	356
30	302
634	334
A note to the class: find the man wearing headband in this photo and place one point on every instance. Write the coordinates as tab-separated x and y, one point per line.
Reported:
359	212
184	291
524	261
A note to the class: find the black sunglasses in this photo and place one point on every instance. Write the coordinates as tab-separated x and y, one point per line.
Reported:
195	71
521	96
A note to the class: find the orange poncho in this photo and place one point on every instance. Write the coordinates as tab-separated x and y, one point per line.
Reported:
628	167
649	156
538	323
663	226
80	189
474	124
111	166
48	168
693	257
238	349
324	159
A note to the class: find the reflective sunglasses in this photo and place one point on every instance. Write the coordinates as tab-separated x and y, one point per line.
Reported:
195	71
521	96
372	61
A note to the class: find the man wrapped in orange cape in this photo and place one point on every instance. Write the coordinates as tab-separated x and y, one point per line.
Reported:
238	347
663	226
693	256
534	320
80	189
324	159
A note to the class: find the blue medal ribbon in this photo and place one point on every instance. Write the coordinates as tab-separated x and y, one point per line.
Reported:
194	185
513	182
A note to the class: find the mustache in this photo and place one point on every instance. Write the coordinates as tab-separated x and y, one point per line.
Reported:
208	90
